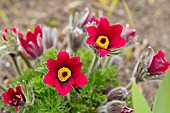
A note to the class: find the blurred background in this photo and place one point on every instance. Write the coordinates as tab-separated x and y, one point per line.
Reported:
150	18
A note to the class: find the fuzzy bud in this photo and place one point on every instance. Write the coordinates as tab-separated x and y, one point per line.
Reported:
118	93
115	106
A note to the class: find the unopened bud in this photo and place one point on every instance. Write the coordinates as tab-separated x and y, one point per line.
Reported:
118	93
115	106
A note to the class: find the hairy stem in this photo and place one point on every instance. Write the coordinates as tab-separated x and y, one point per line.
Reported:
25	60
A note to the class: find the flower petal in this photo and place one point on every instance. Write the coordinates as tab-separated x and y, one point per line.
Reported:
102	26
5	97
120	43
16	108
49	79
64	88
103	52
91	29
80	80
37	31
54	65
63	56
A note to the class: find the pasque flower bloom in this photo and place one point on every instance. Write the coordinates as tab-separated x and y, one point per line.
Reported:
158	64
64	72
14	31
32	47
14	98
104	37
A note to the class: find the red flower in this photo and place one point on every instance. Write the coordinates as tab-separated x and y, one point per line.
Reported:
105	37
64	72
158	64
5	33
12	98
33	45
127	110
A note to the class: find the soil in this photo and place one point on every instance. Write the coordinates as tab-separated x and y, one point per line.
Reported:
150	18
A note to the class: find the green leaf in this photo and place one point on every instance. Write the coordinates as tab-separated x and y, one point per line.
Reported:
162	101
139	102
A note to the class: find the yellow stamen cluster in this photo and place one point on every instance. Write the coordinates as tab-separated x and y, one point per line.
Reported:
18	96
64	74
103	42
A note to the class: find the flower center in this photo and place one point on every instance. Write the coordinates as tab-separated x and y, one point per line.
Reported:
64	74
103	42
18	96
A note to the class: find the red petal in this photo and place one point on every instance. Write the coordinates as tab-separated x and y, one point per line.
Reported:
64	88
5	97
50	80
37	31
19	89
120	43
91	40
103	25
54	65
80	80
91	29
103	52
63	56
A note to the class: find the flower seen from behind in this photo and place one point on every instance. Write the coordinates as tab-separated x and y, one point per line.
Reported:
32	47
158	64
105	38
64	72
14	98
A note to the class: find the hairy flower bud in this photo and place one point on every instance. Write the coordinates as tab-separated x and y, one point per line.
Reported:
118	93
115	106
49	37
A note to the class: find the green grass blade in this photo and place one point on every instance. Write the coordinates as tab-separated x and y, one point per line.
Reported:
128	13
112	6
162	101
139	102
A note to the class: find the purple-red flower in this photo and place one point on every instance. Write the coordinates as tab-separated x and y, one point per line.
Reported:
127	110
158	64
104	37
64	72
13	31
33	45
14	98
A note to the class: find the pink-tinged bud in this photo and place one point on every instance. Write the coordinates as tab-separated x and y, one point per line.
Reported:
158	65
88	18
32	47
129	33
127	110
14	31
49	37
14	98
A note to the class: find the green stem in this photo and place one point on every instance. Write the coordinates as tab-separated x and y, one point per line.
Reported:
107	62
129	86
3	88
93	65
16	64
25	59
68	98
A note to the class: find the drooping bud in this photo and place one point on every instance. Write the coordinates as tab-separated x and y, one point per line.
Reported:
118	93
115	106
